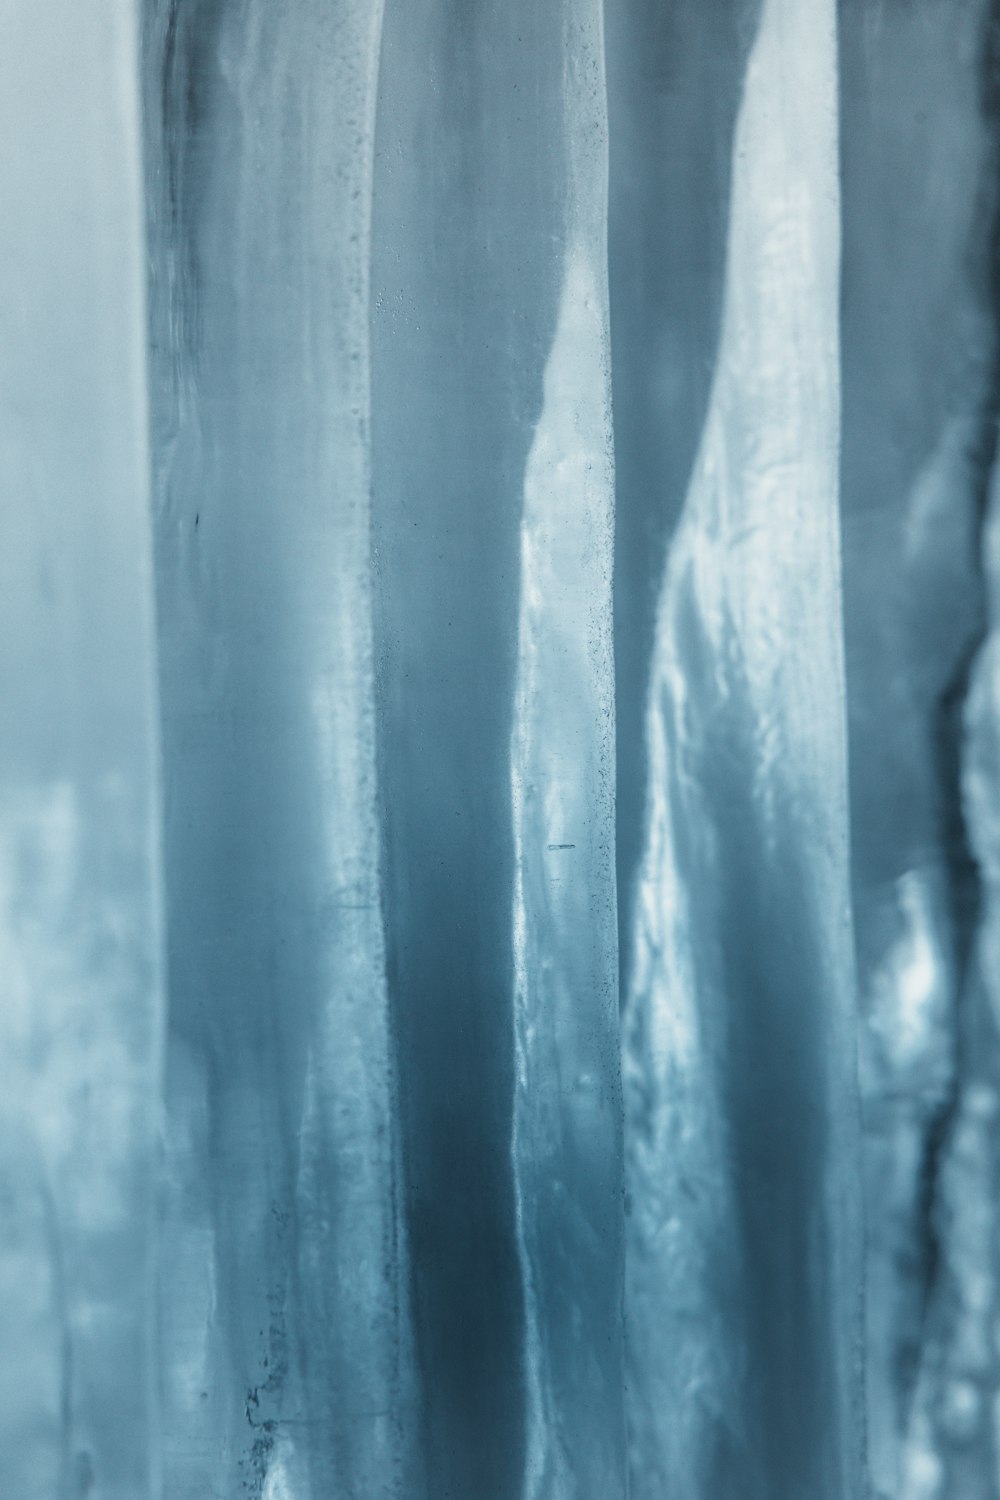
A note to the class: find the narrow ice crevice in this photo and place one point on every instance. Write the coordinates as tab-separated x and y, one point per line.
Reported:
739	1067
566	1142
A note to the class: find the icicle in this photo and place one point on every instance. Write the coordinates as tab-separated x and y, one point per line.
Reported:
282	1210
490	401
742	1277
81	1009
567	1128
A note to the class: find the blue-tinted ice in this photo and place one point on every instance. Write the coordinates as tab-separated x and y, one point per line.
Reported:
499	857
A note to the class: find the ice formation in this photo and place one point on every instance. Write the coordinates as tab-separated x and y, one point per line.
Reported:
738	1041
566	1144
499	862
286	1336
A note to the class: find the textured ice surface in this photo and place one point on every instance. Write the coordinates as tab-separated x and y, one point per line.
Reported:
567	1150
741	1280
919	341
483	386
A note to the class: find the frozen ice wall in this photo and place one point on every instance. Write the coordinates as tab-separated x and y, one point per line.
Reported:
81	996
439	915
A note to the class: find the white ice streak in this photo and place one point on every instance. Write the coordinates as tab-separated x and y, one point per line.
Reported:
750	604
566	1136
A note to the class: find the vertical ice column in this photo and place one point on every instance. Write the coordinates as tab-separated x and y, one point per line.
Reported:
80	1013
675	81
742	1272
471	258
567	1154
287	1358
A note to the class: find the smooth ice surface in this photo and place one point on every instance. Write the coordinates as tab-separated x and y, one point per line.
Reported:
81	1003
493	530
741	1278
286	1351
